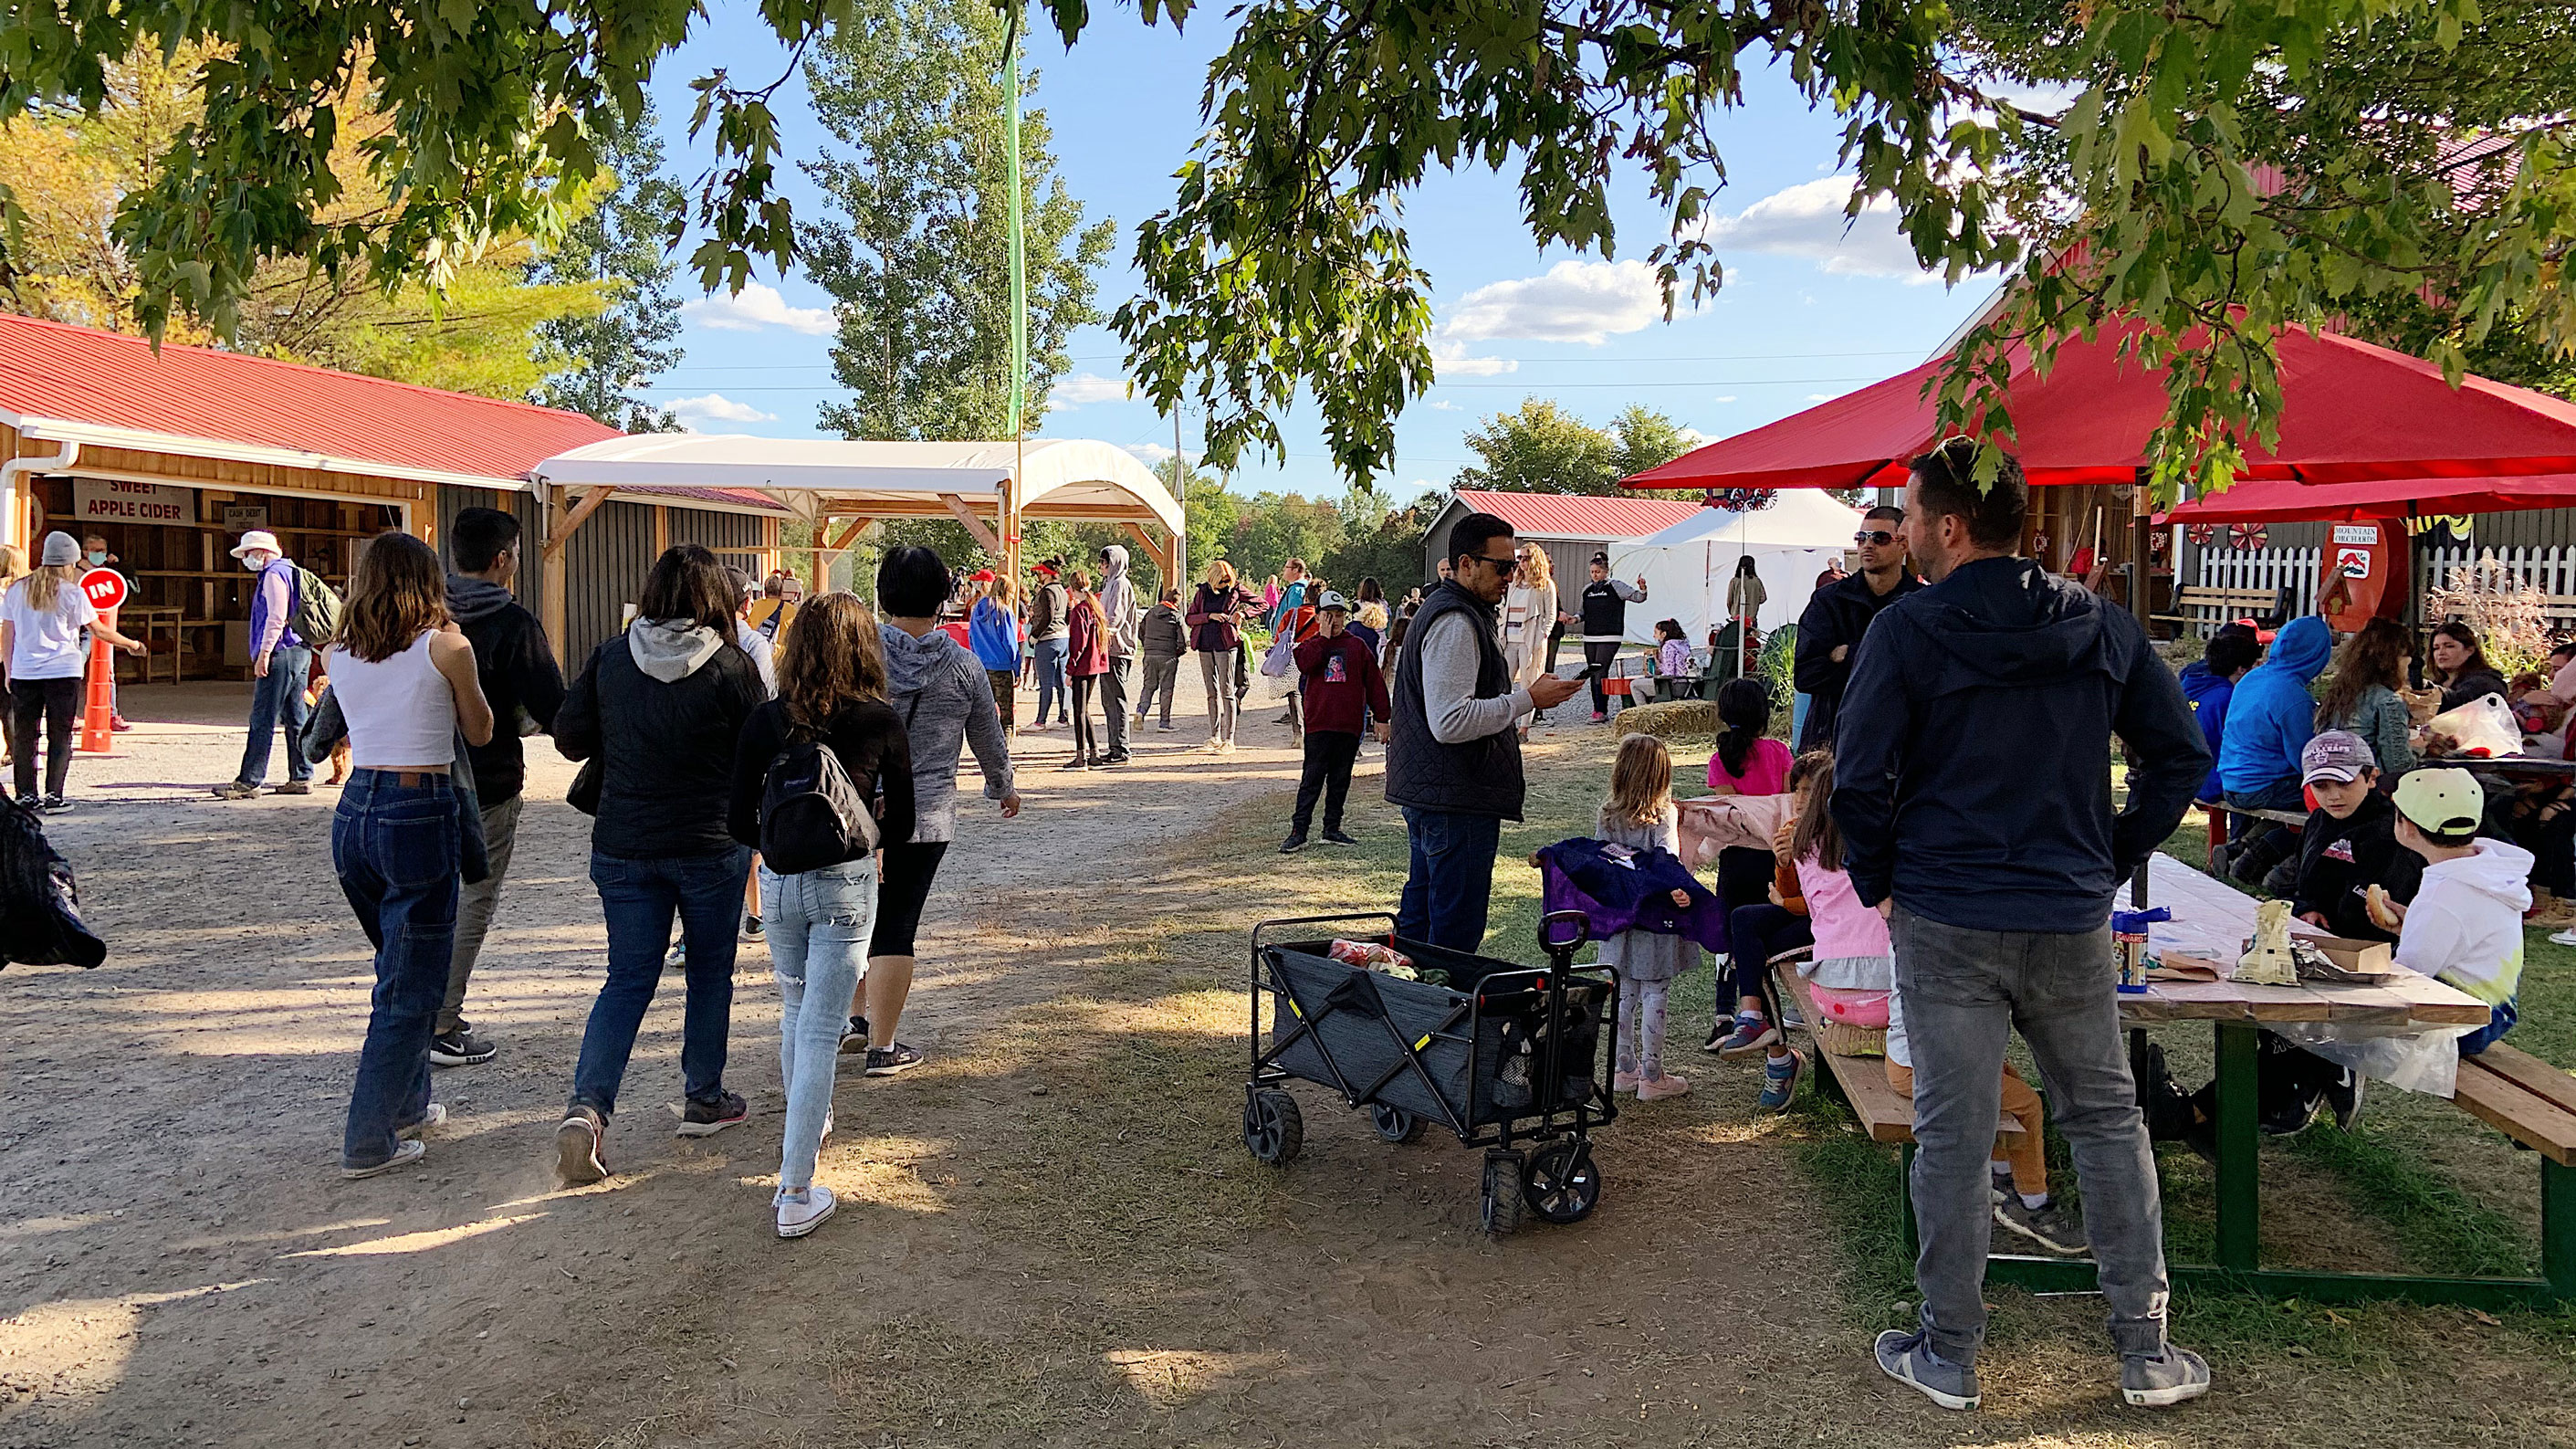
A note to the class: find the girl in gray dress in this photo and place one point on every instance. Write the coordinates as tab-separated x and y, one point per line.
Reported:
1639	815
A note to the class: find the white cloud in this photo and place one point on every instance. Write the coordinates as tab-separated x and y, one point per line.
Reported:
1574	301
1452	358
1693	437
1085	387
1443	405
755	307
1807	220
1157	455
1821	396
1730	397
715	407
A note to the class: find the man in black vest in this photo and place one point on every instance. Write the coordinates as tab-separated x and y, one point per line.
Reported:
1454	760
1605	627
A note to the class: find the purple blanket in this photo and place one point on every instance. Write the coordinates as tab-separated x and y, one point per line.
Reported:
1630	893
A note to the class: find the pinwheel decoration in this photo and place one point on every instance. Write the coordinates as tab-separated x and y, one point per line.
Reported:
2201	534
2246	535
1739	500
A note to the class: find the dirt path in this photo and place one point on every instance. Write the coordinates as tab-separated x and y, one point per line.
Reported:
1051	1235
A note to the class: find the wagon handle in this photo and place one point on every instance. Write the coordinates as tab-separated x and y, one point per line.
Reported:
1547	934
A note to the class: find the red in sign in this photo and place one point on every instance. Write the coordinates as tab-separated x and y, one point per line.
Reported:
104	587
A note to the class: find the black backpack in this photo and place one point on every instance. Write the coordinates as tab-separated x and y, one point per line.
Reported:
40	922
812	814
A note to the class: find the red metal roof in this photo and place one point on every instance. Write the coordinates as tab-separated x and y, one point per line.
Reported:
1565	515
78	374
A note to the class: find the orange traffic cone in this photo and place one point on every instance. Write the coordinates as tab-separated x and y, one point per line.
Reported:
100	710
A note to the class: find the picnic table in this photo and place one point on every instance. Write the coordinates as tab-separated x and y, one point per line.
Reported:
2528	1100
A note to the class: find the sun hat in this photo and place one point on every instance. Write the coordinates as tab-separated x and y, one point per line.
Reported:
60	549
2334	755
258	538
2442	801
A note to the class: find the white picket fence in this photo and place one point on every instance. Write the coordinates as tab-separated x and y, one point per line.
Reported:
2551	570
2262	568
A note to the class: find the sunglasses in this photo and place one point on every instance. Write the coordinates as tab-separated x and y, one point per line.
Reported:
1878	536
1503	566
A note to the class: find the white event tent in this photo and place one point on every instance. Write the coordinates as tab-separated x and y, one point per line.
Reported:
1687	565
988	487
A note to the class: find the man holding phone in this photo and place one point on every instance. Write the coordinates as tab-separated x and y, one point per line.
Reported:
1453	762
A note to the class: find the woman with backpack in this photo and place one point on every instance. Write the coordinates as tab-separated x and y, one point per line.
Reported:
403	675
660	708
807	778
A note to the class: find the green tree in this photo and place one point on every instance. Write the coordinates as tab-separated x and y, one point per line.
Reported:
917	253
1541	448
618	244
1276	527
1385	546
1642	438
1212	513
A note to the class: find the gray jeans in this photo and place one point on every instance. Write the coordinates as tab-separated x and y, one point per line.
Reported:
1116	688
1162	671
474	906
1965	992
1216	672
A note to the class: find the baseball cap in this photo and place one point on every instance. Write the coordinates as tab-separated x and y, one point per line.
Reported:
259	538
2334	755
1333	601
2442	801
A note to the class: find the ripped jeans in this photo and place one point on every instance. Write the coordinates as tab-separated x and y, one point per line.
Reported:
817	925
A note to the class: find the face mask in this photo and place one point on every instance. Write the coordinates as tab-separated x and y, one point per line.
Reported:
98	556
254	562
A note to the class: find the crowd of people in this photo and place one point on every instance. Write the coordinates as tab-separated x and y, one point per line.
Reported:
762	765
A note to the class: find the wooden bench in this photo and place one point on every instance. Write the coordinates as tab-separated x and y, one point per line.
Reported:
2219	810
2533	1103
2208	604
1885	1113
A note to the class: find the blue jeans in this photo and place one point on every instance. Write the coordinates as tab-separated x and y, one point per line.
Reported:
817	923
639	898
396	851
1450	885
2284	794
1049	657
278	696
1964	993
2500	1020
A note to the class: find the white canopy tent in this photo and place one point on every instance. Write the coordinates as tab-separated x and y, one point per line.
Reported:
990	487
1687	566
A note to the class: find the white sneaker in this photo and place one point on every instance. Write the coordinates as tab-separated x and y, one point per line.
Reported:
435	1116
2563	938
796	1219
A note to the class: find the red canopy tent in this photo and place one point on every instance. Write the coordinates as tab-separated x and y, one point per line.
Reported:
2351	412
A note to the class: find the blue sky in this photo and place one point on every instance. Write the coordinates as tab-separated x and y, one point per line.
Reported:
1808	312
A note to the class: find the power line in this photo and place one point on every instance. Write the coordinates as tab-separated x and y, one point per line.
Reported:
1523	386
1531	361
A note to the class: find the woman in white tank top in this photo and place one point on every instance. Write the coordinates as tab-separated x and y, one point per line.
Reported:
404	677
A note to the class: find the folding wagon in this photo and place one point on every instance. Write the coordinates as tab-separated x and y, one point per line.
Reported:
1511	1058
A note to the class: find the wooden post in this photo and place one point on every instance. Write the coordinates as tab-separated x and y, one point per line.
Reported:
661	529
975	526
550	565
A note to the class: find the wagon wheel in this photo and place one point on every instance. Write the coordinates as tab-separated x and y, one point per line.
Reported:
1273	1127
1504	1201
1394	1123
1562	1184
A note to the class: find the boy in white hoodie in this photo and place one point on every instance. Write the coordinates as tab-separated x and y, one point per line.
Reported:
2465	924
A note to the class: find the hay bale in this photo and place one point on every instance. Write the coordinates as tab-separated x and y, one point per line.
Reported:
1675	722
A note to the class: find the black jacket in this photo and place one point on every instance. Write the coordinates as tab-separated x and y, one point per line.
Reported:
666	749
1836	614
2475	685
1972	775
519	674
868	736
2339	857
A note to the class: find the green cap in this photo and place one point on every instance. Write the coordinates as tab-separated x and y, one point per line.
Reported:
2442	802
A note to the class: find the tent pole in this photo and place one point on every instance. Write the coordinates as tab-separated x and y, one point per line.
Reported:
2142	551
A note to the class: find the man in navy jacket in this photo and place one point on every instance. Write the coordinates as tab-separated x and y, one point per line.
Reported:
1973	787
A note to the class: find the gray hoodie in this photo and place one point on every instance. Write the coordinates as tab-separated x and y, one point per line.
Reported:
1118	606
939	691
671	650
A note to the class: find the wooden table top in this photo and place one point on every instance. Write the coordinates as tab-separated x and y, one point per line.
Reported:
2207	913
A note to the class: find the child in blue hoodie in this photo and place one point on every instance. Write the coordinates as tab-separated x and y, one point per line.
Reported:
2208	683
2270	718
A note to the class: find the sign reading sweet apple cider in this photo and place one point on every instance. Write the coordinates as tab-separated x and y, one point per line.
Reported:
110	500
